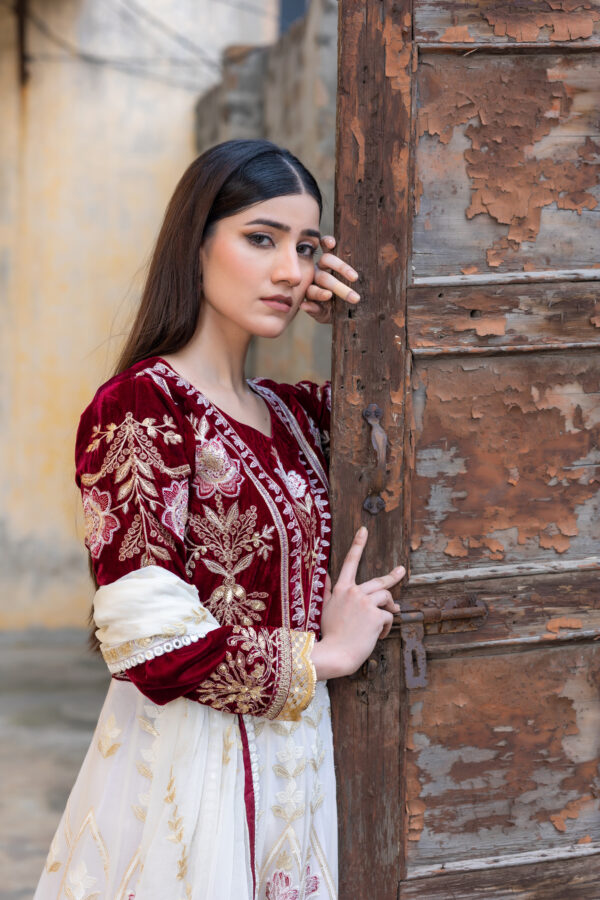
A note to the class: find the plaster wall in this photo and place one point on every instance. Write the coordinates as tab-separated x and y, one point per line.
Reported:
90	152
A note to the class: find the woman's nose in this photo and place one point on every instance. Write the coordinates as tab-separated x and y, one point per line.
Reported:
287	267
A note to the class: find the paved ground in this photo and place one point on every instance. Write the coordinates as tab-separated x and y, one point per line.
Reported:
51	691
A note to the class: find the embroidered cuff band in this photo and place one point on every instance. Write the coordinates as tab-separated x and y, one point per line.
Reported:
304	676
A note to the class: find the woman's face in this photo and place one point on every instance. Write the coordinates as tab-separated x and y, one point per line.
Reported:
258	263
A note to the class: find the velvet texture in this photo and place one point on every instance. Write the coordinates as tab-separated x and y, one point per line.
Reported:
169	479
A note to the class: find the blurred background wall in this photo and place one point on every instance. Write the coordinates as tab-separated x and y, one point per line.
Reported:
104	104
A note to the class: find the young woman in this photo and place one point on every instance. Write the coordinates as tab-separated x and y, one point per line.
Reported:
210	775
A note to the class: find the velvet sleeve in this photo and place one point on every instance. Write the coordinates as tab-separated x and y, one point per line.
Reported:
315	402
134	464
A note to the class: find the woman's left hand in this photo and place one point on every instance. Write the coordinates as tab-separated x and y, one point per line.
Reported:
317	302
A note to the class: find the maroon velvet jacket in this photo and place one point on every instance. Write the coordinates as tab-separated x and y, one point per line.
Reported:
169	479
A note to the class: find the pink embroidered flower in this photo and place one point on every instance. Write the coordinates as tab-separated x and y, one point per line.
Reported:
280	888
296	484
175	499
216	471
311	884
100	523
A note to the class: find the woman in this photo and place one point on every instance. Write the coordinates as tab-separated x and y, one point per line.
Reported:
210	775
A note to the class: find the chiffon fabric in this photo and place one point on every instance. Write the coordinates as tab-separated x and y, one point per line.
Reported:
210	774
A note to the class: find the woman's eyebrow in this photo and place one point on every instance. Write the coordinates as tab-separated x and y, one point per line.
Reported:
311	232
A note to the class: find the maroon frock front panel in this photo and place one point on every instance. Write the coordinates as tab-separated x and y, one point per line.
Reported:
168	479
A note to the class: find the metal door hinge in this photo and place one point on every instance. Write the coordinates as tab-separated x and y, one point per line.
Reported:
413	631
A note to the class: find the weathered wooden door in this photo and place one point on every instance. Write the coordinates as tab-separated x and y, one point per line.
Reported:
467	195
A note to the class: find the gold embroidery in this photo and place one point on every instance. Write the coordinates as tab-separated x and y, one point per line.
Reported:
255	678
228	743
304	677
132	459
53	863
226	535
131	653
176	828
107	739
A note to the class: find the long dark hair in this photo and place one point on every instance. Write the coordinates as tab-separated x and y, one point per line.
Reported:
221	182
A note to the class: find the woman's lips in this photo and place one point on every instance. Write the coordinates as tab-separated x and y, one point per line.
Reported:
278	301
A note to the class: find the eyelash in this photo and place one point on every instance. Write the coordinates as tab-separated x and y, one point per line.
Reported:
256	241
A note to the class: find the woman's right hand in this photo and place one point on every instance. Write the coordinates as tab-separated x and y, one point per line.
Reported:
354	617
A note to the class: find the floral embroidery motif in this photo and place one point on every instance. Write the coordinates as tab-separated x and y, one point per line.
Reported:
226	535
244	681
280	887
176	507
80	881
296	484
132	458
306	512
100	524
215	469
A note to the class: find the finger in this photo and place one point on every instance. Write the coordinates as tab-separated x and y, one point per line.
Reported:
314	292
329	282
384	600
328	242
331	261
387	625
350	564
320	312
384	581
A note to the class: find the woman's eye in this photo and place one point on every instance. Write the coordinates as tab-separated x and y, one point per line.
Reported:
306	250
260	240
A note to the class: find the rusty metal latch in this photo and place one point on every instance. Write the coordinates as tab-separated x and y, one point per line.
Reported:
413	631
373	415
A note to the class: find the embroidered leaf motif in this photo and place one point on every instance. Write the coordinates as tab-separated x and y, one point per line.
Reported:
144	468
125	489
122	471
147	726
107	739
243	564
144	770
215	567
148	487
53	864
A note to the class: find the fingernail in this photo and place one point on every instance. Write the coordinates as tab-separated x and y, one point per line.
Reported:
353	296
362	531
398	570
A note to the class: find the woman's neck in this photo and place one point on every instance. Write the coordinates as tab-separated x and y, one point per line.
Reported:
214	359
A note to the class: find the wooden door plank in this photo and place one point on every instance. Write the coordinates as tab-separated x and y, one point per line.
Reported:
563	879
507	460
511	318
490	21
506	163
371	216
504	757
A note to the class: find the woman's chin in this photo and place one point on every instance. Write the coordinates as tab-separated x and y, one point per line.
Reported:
272	327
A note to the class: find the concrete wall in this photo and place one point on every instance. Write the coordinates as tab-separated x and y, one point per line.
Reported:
285	93
89	155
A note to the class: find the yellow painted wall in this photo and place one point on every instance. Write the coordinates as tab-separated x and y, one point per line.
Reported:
89	155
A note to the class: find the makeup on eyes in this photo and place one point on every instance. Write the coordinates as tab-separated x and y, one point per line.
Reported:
255	237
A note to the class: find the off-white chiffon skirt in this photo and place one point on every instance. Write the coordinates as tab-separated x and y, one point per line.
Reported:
183	802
